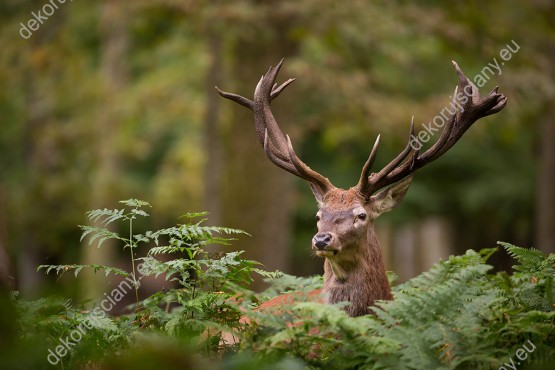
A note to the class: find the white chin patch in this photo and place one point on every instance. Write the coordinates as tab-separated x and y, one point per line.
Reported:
326	253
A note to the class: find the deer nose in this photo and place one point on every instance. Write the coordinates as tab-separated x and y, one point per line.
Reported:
322	240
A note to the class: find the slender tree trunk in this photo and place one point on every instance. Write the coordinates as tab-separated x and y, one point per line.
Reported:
405	255
113	28
546	187
5	260
545	210
436	240
28	254
257	195
212	140
385	231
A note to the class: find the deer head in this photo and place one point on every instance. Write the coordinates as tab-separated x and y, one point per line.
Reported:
353	268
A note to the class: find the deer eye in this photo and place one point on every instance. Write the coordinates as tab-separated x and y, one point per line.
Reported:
362	216
317	218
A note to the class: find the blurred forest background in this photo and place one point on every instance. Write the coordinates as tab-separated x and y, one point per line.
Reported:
110	100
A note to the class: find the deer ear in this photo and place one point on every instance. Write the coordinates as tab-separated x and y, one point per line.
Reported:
318	194
391	197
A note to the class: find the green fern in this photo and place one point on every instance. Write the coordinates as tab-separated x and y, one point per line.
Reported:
530	260
61	269
456	315
532	283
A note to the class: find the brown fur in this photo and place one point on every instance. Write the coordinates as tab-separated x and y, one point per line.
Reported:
366	280
355	272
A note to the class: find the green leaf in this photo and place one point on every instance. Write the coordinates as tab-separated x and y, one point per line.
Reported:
136	203
99	234
61	269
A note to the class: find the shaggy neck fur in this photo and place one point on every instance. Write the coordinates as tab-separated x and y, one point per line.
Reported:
359	277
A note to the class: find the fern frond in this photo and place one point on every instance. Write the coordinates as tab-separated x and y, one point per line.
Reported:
139	212
61	269
135	203
530	260
165	250
528	256
151	266
100	234
191	215
106	216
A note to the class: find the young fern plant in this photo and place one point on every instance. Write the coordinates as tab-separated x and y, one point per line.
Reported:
105	217
203	300
188	238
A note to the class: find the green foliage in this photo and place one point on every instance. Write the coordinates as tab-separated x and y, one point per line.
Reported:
60	269
204	284
454	316
529	291
457	315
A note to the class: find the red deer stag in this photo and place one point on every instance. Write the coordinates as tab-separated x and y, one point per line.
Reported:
353	269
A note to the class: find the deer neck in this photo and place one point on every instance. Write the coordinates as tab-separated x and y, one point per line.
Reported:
359	277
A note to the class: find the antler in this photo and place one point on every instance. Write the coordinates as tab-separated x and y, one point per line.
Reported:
472	108
277	146
280	151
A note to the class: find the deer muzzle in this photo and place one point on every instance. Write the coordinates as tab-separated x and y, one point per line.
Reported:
322	245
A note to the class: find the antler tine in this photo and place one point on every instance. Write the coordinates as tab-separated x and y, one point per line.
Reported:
277	146
263	116
267	83
236	98
277	90
376	179
363	181
473	107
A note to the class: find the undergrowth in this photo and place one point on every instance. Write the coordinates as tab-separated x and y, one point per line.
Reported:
457	315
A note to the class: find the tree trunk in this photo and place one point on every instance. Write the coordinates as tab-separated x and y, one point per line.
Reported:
28	280
436	240
405	254
212	140
113	28
546	188
5	259
258	195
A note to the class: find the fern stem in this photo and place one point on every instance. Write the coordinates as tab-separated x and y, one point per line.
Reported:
133	259
193	297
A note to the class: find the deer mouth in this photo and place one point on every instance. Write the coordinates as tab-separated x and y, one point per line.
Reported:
326	253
